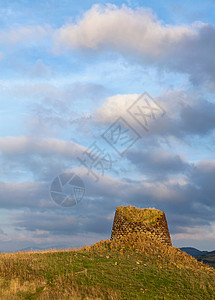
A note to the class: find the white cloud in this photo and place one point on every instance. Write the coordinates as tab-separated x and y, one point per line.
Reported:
30	145
24	34
124	29
113	107
138	33
185	114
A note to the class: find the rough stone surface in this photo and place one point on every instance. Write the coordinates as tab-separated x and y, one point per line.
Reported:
149	221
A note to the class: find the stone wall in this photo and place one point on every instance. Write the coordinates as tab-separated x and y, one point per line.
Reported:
123	225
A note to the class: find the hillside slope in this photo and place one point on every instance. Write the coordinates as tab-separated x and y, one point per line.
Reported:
135	267
208	259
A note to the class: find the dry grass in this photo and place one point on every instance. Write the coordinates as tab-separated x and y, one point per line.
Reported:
26	275
142	215
135	267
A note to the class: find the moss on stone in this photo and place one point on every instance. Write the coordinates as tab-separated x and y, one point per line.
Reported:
140	215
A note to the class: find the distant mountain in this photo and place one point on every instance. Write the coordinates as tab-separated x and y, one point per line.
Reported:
205	256
46	248
31	248
208	258
193	251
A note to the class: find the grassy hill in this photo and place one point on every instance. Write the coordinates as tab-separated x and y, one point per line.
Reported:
134	267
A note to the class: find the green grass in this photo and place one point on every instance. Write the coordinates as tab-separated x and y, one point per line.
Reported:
140	215
134	267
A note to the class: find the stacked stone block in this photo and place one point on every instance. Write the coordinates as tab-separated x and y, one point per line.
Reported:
126	222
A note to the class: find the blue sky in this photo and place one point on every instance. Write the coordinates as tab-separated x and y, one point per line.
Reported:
69	70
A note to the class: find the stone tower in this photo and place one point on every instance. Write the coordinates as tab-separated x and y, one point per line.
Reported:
130	219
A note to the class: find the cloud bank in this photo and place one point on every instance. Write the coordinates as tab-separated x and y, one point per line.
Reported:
140	34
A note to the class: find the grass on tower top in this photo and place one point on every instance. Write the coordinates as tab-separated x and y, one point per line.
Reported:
142	215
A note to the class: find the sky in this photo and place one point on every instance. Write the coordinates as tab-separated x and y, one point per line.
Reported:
105	104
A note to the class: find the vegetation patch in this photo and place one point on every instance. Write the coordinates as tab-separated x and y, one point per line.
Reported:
134	267
140	215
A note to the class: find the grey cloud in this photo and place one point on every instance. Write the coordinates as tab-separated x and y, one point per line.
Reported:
61	224
158	163
24	195
187	114
191	198
44	158
186	119
194	56
199	118
203	176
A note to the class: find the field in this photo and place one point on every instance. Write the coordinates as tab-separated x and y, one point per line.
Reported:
134	267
